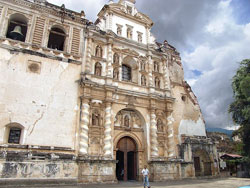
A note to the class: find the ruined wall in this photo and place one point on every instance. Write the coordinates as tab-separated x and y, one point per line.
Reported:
41	95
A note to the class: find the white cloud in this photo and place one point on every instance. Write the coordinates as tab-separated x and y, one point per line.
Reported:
218	59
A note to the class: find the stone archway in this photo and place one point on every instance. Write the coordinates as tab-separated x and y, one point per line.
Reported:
202	163
126	155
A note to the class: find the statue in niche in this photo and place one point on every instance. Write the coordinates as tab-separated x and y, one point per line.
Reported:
136	120
119	31
118	120
126	121
98	51
143	80
156	67
98	69
143	65
157	82
159	125
116	74
95	119
116	58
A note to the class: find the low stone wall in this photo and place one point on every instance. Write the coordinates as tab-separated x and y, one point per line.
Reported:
96	171
38	169
162	170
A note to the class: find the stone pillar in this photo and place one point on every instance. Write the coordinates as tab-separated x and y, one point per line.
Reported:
109	59
88	55
171	145
153	134
107	150
166	74
84	127
150	70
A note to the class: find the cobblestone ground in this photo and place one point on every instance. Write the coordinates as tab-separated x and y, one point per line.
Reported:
202	183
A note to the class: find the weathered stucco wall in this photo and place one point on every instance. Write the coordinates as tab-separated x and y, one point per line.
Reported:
41	95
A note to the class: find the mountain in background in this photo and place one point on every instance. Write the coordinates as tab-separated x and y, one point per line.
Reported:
220	130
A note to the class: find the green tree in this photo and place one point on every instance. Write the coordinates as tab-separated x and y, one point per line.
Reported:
240	108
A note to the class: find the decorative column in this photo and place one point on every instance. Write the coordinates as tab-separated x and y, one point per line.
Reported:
109	58
166	74
150	74
88	55
107	132
153	134
84	127
171	145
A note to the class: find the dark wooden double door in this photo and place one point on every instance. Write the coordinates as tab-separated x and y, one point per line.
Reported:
126	155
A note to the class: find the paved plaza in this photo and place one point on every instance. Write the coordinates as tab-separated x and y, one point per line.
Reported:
198	183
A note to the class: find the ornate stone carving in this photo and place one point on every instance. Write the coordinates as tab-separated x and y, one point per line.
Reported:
96	118
98	69
128	118
116	58
107	132
84	129
98	51
116	74
159	125
143	80
153	131
157	82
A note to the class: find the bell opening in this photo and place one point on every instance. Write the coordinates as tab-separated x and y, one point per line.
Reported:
17	30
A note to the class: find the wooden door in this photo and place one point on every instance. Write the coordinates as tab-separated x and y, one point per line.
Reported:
128	147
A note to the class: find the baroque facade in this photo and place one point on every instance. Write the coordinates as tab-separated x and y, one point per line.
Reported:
94	102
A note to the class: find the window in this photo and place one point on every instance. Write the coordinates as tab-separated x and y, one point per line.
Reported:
98	51
98	69
126	73
17	27
56	39
14	135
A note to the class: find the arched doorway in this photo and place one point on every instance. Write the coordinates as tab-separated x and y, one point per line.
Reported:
126	155
202	163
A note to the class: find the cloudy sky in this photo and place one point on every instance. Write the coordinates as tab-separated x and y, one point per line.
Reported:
213	36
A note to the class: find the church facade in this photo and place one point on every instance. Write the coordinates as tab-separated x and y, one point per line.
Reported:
86	102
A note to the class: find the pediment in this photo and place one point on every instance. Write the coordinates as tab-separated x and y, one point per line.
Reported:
130	52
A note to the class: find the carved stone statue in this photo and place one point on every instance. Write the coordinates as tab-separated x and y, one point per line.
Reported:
98	51
116	74
119	31
143	80
156	67
157	82
98	69
116	58
159	125
95	119
143	65
126	121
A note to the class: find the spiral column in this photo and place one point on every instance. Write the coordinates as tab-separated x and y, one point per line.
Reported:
107	132
171	145
84	127
153	134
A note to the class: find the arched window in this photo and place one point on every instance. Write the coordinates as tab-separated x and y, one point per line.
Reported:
98	69
98	51
17	27
14	135
126	73
56	39
116	58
